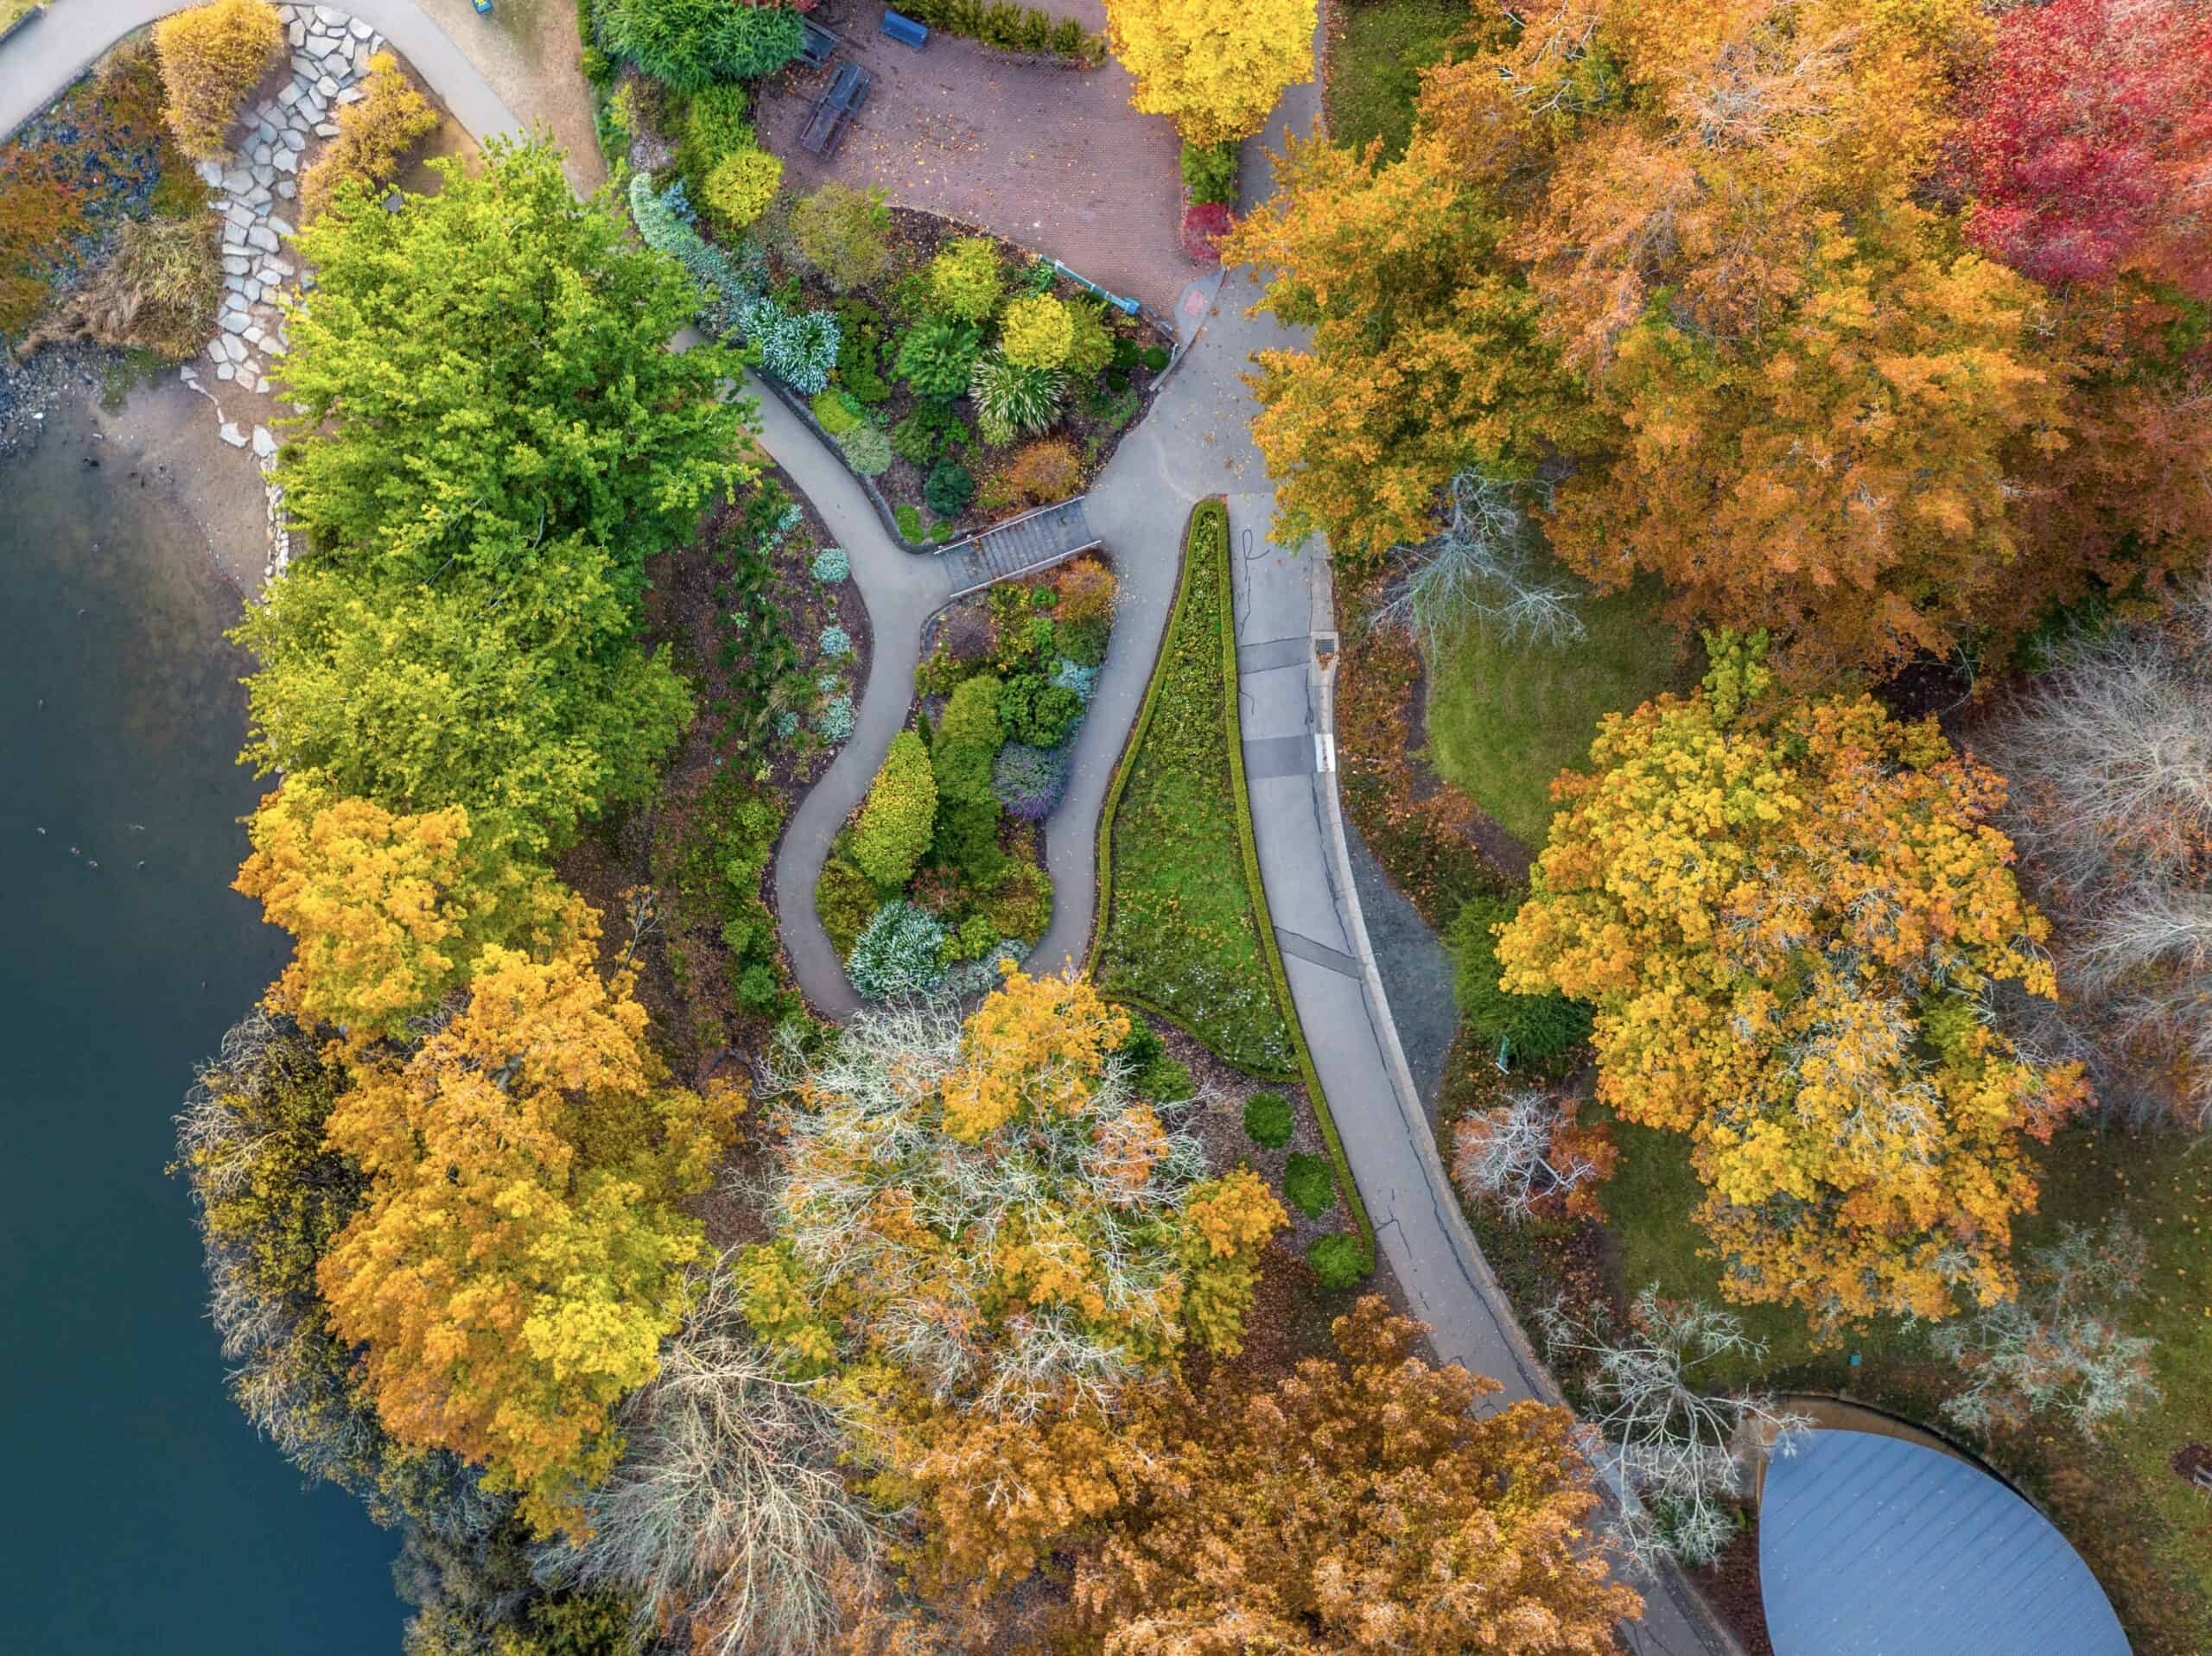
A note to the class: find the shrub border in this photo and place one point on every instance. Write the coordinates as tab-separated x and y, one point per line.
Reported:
1247	844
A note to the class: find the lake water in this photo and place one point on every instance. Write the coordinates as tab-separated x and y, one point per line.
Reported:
144	1514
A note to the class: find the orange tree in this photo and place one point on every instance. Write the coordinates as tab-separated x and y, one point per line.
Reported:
1714	255
1000	1251
1790	916
1360	1505
520	1254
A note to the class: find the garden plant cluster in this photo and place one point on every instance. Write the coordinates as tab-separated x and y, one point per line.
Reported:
939	880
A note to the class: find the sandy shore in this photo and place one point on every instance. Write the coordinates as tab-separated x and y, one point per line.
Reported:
166	435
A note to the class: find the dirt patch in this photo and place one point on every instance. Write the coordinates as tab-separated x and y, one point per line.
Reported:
1047	156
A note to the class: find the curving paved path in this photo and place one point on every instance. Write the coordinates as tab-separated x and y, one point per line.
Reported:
1195	442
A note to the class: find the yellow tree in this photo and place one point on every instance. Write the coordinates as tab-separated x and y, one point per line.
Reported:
1215	70
1791	917
1360	1506
520	1251
387	911
212	57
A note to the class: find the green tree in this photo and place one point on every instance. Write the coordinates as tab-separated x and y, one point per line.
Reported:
845	234
895	823
968	739
487	370
520	699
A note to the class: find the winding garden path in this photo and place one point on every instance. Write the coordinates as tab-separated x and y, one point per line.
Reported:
1194	442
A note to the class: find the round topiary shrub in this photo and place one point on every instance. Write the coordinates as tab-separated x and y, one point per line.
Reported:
757	987
834	413
1153	357
738	189
1269	1119
909	520
1310	1184
949	488
1037	333
1539	1031
1029	781
965	279
835	641
831	564
1337	1259
901	952
866	450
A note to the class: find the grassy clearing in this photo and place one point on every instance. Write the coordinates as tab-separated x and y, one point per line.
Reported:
1375	66
1180	935
1504	718
2147	1533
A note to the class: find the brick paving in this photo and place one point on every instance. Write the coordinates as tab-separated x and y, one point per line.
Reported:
1046	155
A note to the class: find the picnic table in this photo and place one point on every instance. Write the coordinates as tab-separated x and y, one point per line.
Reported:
840	102
817	45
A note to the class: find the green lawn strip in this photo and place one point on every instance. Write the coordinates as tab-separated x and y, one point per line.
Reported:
1375	66
1182	933
1506	717
1194	685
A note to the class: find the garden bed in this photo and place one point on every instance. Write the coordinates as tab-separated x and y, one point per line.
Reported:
939	880
955	371
768	627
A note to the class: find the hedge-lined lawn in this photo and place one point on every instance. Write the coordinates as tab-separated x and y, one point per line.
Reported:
1375	66
1505	718
1180	935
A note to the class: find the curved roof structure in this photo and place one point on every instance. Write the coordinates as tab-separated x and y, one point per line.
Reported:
1880	1547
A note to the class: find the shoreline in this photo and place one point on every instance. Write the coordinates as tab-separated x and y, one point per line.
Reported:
164	432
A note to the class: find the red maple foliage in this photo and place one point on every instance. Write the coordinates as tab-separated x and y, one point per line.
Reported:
1205	223
2093	144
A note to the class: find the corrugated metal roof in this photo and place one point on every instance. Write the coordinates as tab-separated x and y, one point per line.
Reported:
1873	1546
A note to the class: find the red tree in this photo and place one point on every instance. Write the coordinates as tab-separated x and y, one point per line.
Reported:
2093	146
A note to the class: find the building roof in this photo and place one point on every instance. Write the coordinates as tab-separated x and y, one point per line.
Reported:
1874	1546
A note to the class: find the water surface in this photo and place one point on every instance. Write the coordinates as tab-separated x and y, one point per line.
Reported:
144	1514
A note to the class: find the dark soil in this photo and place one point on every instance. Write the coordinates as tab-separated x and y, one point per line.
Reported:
701	1032
1730	1584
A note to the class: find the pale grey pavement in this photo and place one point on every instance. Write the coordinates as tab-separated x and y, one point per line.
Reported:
38	63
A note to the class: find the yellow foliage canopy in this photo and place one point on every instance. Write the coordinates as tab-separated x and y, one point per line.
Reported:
520	1253
387	911
1036	1044
1215	70
212	57
374	136
1790	918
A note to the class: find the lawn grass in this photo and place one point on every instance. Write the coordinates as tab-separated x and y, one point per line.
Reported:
1180	936
2147	1533
1505	717
1375	66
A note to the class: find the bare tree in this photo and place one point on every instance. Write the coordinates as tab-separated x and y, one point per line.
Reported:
862	1136
1483	564
726	1521
1514	1156
2057	1347
1680	1453
2109	756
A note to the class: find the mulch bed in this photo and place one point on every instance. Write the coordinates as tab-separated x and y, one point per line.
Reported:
699	1028
1730	1584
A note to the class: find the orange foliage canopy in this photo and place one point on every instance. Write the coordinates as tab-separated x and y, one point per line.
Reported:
1791	918
520	1253
1709	252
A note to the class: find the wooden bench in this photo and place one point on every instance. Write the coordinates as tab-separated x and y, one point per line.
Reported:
839	103
906	31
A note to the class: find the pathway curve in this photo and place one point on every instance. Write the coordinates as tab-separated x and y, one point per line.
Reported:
1195	442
